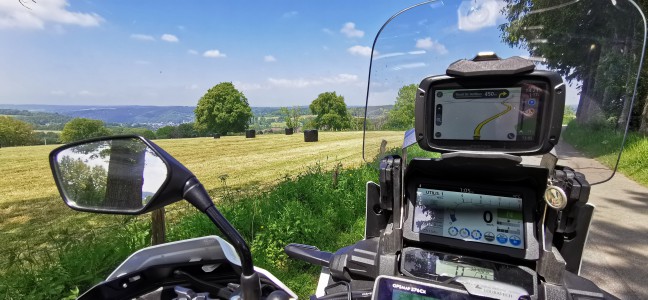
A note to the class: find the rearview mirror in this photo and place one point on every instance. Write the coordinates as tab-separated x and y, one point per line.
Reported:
122	175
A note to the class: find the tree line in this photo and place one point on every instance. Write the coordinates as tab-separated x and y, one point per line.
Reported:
222	110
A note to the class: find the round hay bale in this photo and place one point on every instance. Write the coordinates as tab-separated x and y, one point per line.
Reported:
250	134
217	135
260	132
310	136
289	131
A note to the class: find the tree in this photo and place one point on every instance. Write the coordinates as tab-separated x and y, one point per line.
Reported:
165	132
222	109
331	112
591	42
401	116
291	116
82	183
14	132
186	130
82	128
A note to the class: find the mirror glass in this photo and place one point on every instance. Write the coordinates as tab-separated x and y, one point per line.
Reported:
117	174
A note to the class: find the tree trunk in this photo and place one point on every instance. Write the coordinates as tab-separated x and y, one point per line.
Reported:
643	128
125	175
588	90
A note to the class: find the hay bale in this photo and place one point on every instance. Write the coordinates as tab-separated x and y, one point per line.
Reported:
250	134
310	136
289	131
217	135
260	132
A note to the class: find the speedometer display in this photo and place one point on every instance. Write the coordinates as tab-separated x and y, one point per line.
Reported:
470	216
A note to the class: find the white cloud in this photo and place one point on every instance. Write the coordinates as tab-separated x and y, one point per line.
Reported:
350	31
142	37
302	83
192	51
478	14
86	93
35	15
290	14
247	86
214	53
360	50
428	44
269	58
327	31
409	66
169	38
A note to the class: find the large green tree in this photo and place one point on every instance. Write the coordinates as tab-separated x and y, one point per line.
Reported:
15	132
596	43
82	128
401	116
223	109
331	112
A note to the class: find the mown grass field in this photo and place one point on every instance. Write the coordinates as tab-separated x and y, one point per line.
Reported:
32	213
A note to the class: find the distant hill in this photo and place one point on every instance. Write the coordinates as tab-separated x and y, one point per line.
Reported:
131	114
151	116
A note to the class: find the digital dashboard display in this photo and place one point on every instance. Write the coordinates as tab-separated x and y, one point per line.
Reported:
471	216
490	114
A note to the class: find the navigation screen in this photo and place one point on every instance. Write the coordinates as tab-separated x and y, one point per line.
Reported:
497	114
469	216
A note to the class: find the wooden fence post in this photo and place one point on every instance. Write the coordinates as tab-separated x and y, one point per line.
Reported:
158	228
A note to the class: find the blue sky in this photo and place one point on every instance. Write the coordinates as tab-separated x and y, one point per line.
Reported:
278	53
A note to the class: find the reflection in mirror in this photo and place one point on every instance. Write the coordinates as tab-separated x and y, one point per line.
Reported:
118	174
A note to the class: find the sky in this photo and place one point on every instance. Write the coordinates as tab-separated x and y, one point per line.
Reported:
278	53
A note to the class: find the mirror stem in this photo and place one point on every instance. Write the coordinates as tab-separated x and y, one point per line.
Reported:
195	193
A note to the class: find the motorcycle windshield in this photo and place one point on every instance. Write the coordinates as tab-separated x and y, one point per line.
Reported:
596	46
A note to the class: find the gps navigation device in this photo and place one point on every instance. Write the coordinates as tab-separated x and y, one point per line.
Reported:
517	114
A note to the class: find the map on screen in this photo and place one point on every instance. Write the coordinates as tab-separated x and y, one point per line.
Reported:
482	114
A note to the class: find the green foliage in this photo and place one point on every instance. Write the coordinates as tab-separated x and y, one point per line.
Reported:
569	115
291	116
401	116
600	141
223	109
186	130
145	132
40	120
165	132
331	112
46	138
15	132
603	57
82	128
308	209
84	184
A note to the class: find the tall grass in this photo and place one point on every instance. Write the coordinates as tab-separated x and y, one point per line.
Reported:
309	209
602	143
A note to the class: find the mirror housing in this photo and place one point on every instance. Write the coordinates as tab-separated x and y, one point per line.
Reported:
169	191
